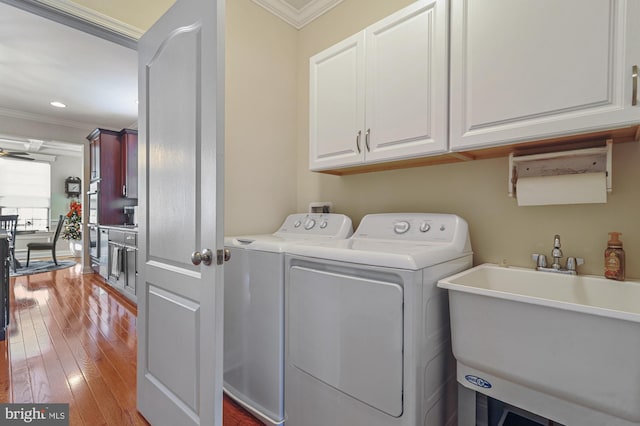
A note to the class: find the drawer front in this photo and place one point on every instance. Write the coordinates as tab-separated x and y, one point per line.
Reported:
116	236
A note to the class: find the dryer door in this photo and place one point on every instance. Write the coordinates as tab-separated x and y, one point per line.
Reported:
347	332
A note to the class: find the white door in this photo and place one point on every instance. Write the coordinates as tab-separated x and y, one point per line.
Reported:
181	130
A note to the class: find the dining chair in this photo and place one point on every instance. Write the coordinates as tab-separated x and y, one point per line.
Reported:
9	223
47	246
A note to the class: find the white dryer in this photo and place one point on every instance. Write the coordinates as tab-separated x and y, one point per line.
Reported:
254	310
368	338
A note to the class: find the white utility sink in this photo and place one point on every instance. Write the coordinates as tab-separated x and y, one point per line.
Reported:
561	346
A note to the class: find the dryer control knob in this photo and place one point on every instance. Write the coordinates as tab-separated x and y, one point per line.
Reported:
324	224
297	224
401	227
424	227
310	223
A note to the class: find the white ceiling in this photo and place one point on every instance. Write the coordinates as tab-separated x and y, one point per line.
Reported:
43	61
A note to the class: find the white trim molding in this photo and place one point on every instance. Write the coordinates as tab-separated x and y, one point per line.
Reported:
295	17
82	18
97	18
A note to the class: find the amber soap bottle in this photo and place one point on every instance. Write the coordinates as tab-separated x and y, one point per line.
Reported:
614	258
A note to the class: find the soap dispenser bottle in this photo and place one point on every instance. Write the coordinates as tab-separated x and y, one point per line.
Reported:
614	258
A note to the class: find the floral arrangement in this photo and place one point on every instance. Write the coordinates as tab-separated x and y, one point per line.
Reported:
72	225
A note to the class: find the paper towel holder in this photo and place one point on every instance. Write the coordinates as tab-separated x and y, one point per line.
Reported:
573	161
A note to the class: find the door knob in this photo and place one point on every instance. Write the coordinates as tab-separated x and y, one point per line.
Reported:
205	257
223	256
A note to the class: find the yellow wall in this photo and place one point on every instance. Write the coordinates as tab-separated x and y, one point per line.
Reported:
260	108
477	190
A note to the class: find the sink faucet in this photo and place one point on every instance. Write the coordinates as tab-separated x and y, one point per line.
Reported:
556	253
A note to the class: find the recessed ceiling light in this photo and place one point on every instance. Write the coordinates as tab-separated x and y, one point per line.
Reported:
58	104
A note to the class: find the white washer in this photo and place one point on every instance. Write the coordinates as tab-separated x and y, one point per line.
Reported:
368	338
254	310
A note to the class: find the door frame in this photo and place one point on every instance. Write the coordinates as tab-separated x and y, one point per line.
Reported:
83	19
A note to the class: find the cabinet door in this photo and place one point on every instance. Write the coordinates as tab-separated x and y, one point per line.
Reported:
407	77
534	69
336	103
110	196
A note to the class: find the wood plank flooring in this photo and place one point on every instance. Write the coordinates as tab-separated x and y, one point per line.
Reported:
72	339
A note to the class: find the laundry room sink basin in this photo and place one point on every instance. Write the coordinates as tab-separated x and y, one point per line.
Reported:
565	347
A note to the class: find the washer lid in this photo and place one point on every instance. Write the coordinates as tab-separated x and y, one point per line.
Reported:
404	241
297	228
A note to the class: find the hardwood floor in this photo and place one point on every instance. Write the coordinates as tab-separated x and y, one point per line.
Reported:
73	340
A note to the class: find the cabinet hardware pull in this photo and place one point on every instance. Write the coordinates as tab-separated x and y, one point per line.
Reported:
366	140
358	141
124	190
634	77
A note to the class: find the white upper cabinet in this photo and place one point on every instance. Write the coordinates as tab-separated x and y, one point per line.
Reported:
336	105
533	69
381	95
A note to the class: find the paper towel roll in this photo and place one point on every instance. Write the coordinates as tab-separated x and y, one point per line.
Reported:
579	188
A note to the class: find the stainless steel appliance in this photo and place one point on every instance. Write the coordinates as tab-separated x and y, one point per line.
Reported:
93	200
103	253
93	241
122	262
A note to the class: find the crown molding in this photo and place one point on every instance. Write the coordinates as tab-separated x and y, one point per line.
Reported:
298	18
97	18
11	113
82	18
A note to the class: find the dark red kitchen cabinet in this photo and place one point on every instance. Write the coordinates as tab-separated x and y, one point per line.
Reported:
129	145
105	164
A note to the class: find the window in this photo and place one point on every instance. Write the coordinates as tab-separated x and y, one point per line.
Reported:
25	190
29	218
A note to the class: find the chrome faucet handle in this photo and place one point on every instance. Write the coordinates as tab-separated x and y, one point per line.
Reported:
540	259
556	241
573	262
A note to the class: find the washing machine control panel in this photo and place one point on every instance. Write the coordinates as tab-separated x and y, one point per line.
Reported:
330	225
422	227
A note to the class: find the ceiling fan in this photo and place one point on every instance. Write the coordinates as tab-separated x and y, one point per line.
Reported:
18	155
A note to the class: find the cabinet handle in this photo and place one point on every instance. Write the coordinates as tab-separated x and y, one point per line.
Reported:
358	141
366	140
634	78
124	190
